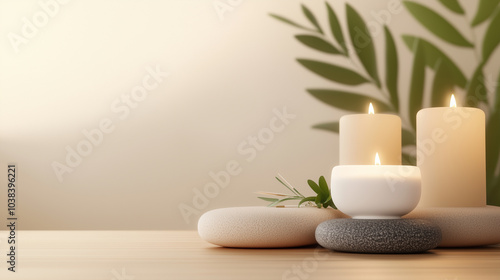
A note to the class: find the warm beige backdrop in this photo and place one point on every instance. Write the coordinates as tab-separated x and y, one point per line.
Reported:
159	97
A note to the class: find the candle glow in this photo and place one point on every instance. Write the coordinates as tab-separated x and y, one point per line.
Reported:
370	109
453	102
377	159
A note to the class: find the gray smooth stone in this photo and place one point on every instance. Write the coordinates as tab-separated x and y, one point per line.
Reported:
382	236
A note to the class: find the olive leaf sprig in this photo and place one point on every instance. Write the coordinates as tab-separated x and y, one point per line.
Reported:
322	199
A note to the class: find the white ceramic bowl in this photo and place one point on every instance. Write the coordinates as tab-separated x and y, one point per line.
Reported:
375	191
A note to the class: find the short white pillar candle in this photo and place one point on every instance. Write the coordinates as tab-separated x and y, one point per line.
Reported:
363	135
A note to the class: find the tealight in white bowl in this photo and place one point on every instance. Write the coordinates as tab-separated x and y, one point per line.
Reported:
375	191
376	196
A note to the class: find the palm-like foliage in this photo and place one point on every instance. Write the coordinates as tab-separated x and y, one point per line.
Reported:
447	75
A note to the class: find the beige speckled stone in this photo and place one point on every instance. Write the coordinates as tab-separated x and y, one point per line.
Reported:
263	227
463	226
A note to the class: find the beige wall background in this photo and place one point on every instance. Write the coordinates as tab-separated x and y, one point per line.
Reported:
157	95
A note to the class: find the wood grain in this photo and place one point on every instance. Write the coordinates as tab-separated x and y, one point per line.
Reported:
142	255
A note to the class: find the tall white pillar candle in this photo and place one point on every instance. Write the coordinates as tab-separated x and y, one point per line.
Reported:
451	157
361	136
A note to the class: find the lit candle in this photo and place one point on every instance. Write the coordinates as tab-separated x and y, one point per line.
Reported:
361	135
375	191
451	156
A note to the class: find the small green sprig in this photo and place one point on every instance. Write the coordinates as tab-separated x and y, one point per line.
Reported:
323	198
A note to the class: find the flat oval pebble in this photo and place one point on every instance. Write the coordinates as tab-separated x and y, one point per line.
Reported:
463	226
379	236
263	227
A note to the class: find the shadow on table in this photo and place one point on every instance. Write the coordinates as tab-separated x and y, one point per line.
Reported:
314	251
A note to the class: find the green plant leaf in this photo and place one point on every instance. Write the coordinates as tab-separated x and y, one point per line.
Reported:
442	87
493	192
325	203
331	126
288	187
268	199
496	105
493	148
408	159
309	198
417	82
436	24
317	43
324	186
476	89
335	28
433	55
333	72
297	192
453	6
283	200
492	144
287	21
329	202
349	101
314	186
391	62
318	201
322	199
408	138
484	11
310	16
363	43
491	37
332	204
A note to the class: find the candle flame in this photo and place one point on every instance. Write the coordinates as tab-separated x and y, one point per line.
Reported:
370	109
453	102
377	159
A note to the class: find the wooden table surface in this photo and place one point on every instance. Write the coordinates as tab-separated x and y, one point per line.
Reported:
142	255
